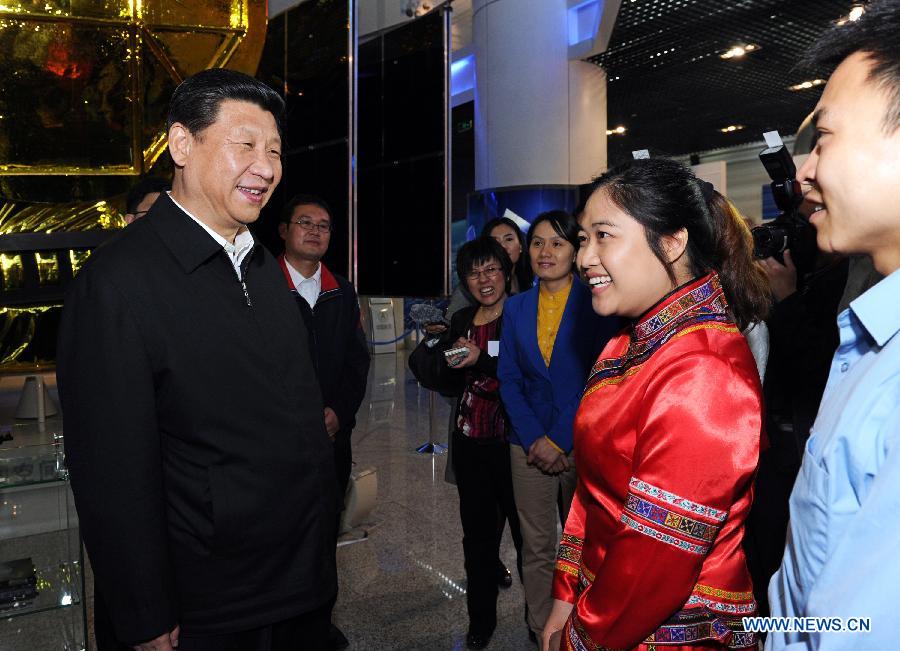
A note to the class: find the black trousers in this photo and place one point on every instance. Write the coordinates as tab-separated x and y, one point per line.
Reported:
306	632
484	482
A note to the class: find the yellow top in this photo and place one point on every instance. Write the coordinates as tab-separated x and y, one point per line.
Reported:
550	311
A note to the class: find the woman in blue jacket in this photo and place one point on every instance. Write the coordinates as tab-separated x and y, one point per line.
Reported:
551	337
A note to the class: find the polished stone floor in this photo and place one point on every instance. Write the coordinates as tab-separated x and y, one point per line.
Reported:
402	586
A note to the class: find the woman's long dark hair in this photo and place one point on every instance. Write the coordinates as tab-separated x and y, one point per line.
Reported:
522	268
664	196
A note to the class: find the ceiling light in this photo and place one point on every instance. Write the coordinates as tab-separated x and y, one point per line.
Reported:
731	128
855	14
738	51
806	85
618	131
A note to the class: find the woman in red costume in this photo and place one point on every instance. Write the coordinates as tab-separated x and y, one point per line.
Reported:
668	432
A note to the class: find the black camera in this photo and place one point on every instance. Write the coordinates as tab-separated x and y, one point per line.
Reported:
790	230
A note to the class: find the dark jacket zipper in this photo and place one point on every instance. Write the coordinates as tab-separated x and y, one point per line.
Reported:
245	265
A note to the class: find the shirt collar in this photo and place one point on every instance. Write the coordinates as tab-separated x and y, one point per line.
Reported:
563	291
243	242
879	310
317	275
291	269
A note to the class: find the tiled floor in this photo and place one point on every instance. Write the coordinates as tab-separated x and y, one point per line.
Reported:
403	587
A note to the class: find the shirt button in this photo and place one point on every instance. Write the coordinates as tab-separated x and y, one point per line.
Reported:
844	367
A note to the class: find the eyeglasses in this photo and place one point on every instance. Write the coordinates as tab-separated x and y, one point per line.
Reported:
308	225
489	273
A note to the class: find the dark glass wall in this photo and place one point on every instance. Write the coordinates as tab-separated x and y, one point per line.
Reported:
401	175
306	59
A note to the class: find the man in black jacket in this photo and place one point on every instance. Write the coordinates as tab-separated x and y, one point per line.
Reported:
337	344
202	473
330	309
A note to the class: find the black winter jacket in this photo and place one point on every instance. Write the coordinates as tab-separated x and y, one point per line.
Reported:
337	344
202	473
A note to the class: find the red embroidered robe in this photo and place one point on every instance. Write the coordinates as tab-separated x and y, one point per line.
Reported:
667	443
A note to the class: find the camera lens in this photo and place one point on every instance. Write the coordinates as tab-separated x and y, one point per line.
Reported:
769	240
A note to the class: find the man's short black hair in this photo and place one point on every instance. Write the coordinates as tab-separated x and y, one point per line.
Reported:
144	186
877	34
304	200
195	103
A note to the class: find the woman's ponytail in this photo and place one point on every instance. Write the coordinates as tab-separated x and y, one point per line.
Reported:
745	283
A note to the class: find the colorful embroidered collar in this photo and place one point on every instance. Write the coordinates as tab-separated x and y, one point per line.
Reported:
700	303
702	297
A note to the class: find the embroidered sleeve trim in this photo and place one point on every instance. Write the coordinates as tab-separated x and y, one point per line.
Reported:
636	485
568	569
664	537
675	521
568	557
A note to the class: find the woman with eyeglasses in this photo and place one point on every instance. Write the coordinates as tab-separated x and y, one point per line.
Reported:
550	337
467	353
667	436
508	234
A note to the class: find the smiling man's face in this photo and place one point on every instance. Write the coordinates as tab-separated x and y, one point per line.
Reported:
854	170
231	168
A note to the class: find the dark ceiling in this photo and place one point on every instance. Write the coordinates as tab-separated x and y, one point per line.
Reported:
671	90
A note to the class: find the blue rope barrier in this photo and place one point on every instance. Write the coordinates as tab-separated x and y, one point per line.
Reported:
392	341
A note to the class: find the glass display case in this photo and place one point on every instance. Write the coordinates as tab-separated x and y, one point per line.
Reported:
41	560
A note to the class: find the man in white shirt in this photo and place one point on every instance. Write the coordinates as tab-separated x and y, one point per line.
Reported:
330	310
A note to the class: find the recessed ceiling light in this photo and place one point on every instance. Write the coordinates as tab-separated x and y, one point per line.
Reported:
738	51
618	131
855	14
731	128
806	85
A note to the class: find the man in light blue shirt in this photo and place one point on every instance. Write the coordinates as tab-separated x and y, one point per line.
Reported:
843	550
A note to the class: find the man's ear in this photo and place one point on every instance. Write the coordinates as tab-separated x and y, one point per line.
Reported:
180	143
282	230
675	245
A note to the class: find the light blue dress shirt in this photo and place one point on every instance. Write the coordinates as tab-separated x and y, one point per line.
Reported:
842	557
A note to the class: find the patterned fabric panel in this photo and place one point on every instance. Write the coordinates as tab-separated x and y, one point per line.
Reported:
663	516
722	601
661	536
693	625
635	485
568	558
701	306
650	510
708	294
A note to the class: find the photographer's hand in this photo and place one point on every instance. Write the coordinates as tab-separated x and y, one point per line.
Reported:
782	277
